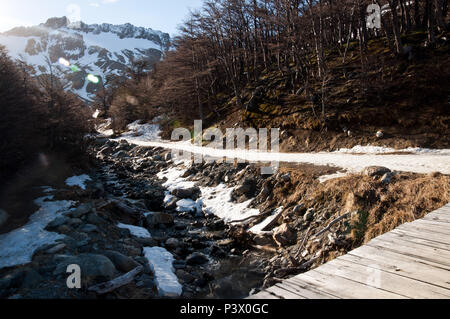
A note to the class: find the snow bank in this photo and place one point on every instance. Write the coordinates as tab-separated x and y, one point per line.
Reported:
142	132
136	231
216	200
421	161
18	246
79	181
370	149
161	263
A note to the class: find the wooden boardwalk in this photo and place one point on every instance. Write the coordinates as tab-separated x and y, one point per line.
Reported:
412	261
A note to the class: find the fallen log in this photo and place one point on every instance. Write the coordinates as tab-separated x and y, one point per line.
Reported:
116	283
337	220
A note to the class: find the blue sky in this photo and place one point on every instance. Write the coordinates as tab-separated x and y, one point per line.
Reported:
164	15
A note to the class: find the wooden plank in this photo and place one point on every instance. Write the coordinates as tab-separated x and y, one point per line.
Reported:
305	290
393	237
378	278
425	229
344	288
421	235
438	217
434	255
404	265
441	227
283	293
262	295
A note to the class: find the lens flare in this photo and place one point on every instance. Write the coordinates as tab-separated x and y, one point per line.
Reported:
64	62
74	68
92	78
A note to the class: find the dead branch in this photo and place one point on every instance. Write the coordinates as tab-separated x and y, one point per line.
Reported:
112	285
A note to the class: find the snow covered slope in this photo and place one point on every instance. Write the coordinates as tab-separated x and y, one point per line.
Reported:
101	50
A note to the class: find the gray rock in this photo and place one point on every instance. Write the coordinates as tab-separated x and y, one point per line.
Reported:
372	171
309	216
59	221
172	203
95	219
120	261
56	249
3	217
75	222
31	279
172	243
82	210
196	259
284	235
93	267
89	228
156	219
184	193
298	209
387	178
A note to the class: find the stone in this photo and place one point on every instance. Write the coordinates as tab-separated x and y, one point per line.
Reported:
262	240
121	262
184	276
95	219
196	259
89	228
172	203
31	279
172	243
284	235
82	210
155	219
94	268
309	216
372	171
59	221
56	249
3	217
147	242
184	193
298	209
74	222
387	178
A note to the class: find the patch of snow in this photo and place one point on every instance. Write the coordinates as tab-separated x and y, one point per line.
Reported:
18	246
370	149
161	263
189	206
216	200
143	132
258	229
422	161
326	178
136	231
79	181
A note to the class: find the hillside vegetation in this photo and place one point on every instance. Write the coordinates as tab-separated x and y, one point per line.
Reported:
315	69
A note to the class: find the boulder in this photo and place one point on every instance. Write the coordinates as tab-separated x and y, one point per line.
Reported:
184	193
94	268
372	171
196	259
284	235
82	210
172	243
156	219
121	262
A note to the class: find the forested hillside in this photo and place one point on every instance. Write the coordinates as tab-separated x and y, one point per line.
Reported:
38	116
320	70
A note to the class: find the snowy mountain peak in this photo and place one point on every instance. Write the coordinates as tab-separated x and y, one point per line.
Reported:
99	49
